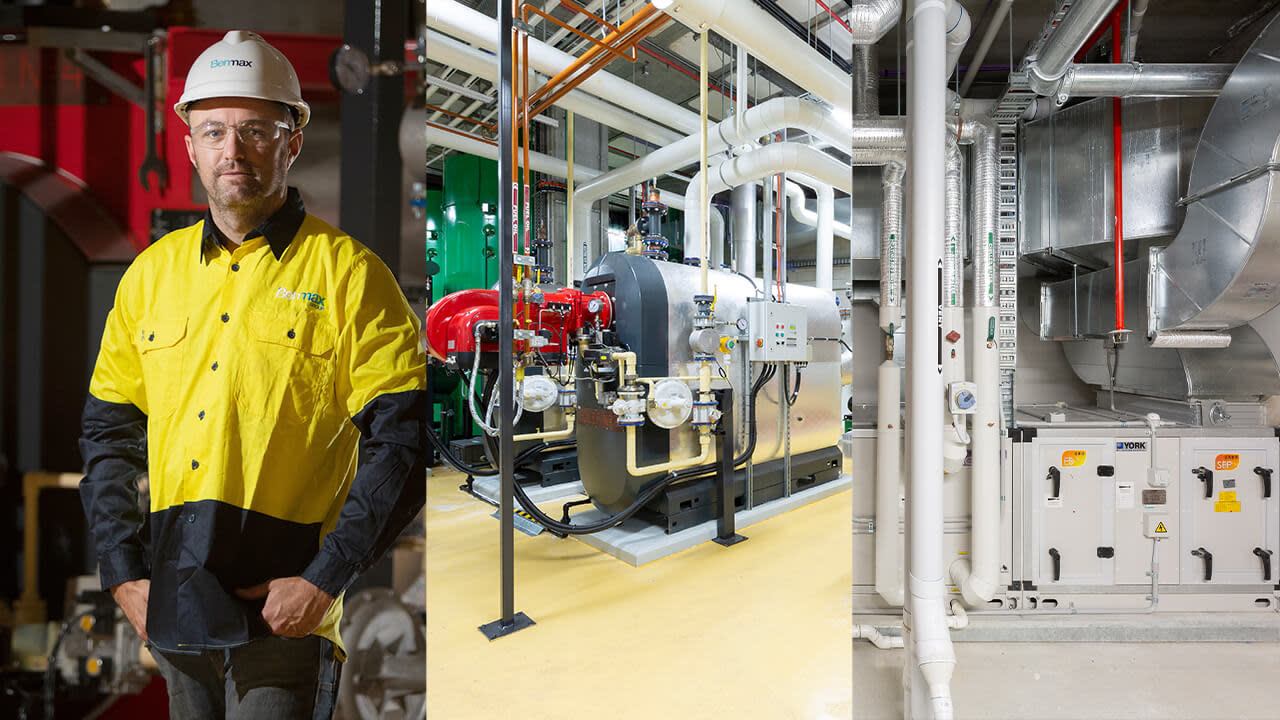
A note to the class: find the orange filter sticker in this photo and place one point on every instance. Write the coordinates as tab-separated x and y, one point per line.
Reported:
1226	461
1073	458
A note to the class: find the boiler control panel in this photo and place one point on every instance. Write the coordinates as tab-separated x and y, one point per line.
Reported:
779	332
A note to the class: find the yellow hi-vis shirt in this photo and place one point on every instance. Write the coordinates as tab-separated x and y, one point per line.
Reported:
263	371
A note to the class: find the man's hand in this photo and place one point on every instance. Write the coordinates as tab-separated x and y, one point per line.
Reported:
132	598
294	606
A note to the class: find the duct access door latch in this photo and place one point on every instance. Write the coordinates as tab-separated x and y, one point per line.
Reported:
1057	563
1265	474
1206	476
1055	477
1208	562
1266	562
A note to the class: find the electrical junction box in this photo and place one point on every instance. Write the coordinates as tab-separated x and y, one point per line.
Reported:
779	332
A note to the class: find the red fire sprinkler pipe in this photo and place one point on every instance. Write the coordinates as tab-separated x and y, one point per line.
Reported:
1118	168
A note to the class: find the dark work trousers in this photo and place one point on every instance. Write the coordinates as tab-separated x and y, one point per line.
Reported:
274	678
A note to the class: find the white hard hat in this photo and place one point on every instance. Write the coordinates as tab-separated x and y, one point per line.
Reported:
242	64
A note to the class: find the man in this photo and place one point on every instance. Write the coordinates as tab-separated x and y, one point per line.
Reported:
265	371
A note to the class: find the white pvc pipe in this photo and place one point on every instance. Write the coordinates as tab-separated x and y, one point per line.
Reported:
748	25
929	679
452	53
888	483
476	28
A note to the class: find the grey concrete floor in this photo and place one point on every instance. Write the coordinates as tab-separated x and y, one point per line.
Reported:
1073	681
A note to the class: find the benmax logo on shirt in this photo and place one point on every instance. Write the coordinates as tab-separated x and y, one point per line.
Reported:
312	299
216	63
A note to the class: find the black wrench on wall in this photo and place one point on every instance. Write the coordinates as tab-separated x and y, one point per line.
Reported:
152	162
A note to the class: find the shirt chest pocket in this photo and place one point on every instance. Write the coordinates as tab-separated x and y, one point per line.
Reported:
161	342
287	368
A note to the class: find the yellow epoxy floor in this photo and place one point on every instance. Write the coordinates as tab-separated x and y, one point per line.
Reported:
758	630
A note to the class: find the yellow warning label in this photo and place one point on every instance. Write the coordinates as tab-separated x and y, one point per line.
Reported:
1226	502
1073	458
1226	461
1160	529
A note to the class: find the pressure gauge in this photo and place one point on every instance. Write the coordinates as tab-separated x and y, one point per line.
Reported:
594	305
349	69
742	324
962	397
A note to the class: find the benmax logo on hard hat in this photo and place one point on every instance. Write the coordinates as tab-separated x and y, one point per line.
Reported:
215	63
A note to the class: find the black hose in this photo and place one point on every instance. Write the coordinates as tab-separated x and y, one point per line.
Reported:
786	388
447	455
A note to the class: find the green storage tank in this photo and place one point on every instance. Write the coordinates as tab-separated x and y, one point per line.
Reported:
467	245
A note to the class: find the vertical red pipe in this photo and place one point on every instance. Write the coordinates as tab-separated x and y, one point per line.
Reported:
1118	167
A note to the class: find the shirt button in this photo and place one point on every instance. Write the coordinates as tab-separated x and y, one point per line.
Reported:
235	267
214	366
291	334
225	317
191	518
195	464
200	414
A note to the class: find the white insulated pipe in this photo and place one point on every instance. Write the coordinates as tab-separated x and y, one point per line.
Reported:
744	228
931	654
454	18
955	435
768	160
823	219
889	482
978	573
447	51
748	25
803	215
959	26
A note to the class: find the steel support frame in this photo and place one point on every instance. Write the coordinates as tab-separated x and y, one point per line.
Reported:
370	203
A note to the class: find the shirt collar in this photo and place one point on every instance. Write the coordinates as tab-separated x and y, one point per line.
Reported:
278	229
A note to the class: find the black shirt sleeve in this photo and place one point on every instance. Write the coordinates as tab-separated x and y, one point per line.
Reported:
387	492
113	445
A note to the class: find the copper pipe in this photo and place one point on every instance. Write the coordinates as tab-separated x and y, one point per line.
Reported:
633	22
576	31
487	126
599	63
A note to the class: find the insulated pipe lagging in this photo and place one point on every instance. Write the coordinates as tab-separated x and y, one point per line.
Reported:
744	228
959	25
954	433
1140	80
824	251
891	238
888	482
1055	55
933	658
866	81
747	24
768	160
869	20
800	211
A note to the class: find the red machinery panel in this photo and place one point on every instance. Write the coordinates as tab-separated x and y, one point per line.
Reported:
451	321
